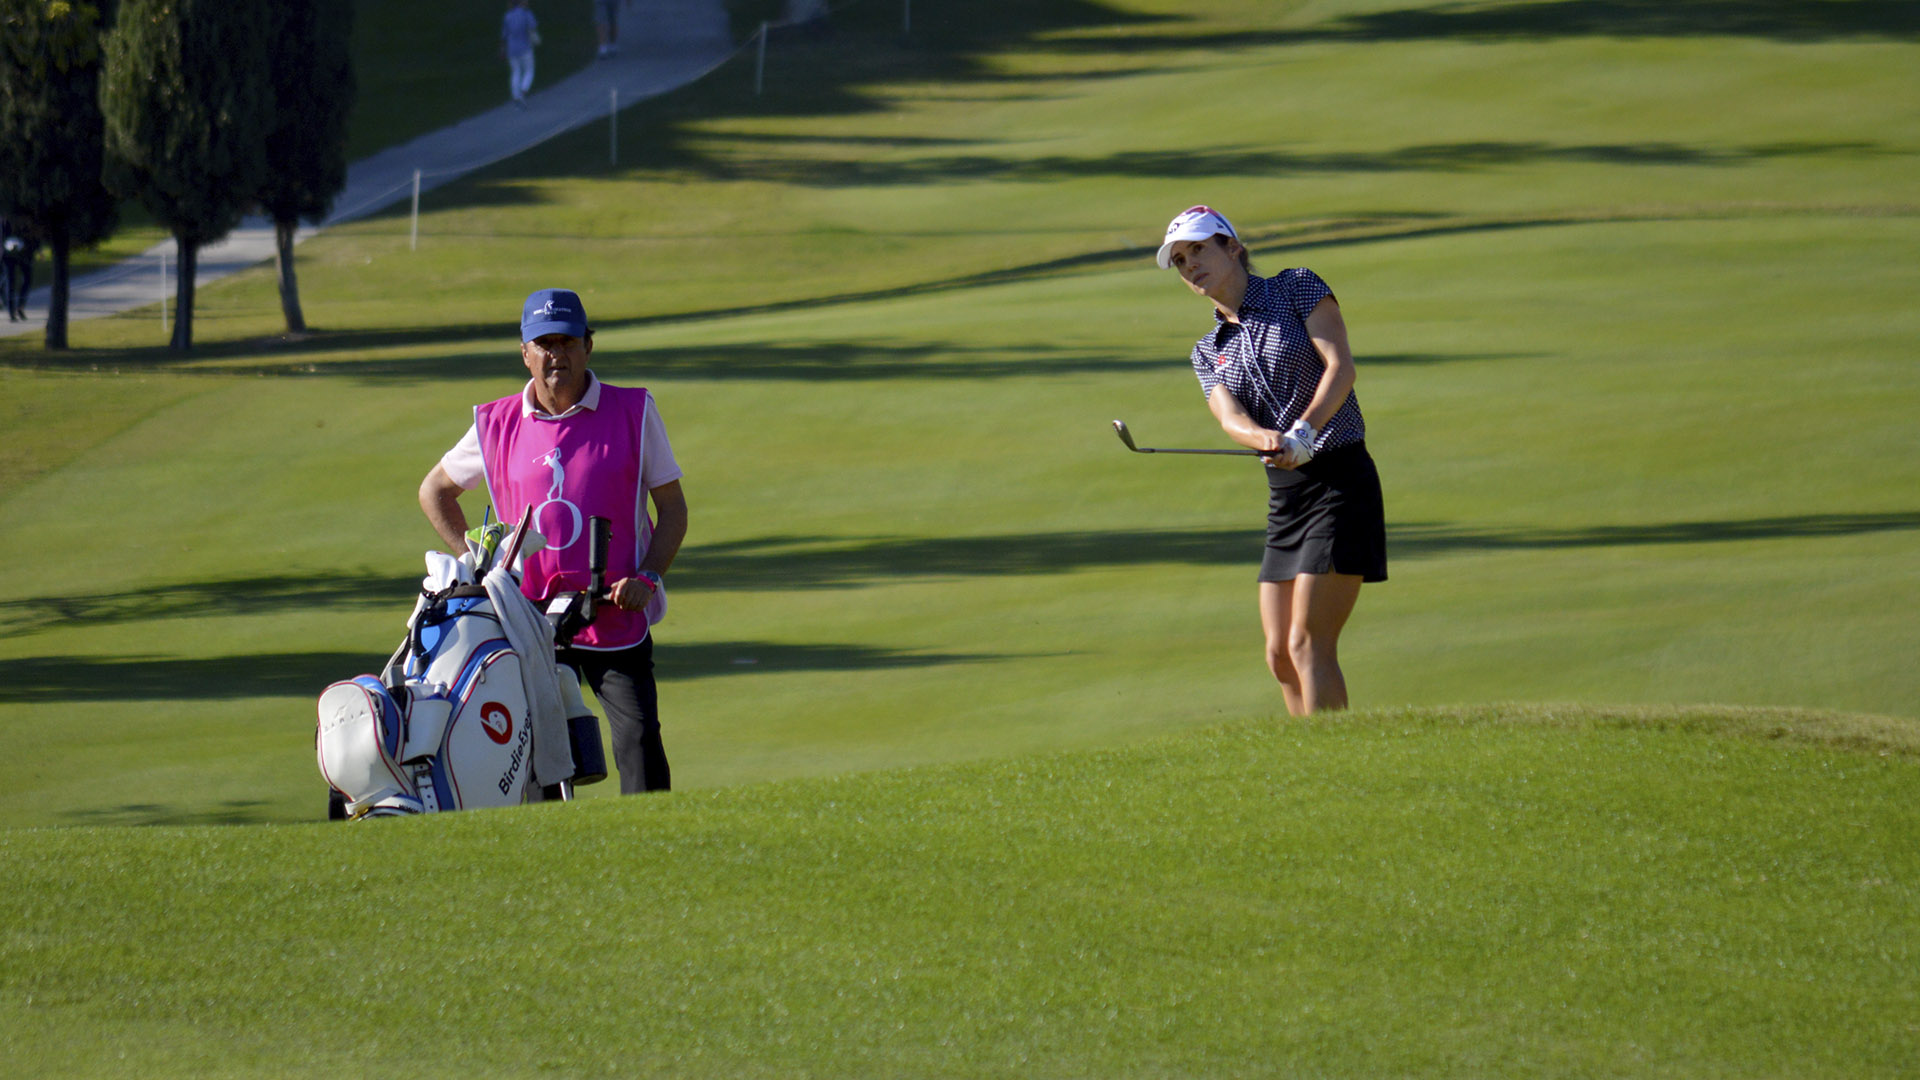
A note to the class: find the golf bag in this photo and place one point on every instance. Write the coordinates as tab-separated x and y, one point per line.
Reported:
472	711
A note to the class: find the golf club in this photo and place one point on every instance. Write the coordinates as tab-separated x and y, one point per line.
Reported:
1120	428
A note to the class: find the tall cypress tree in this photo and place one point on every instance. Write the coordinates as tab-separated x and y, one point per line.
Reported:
51	135
188	103
311	61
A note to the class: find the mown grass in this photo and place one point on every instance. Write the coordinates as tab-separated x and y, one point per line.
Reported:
1630	292
1522	891
889	309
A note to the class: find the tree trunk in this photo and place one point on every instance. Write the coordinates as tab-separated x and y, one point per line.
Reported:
289	286
57	296
183	294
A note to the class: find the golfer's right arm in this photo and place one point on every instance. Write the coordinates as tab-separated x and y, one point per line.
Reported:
1238	423
440	501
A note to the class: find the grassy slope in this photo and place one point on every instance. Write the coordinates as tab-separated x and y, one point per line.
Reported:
1532	892
1612	252
1584	313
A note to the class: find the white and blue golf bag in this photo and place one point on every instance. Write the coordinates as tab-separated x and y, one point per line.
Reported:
472	711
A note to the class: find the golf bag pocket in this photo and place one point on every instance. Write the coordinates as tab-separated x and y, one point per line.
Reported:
583	731
428	709
485	758
362	731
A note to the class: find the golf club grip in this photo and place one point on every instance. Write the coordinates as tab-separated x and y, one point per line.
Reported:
598	540
519	534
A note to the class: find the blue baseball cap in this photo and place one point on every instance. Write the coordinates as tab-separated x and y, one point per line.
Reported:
553	311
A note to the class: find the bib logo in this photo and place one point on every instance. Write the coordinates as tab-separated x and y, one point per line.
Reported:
574	523
497	722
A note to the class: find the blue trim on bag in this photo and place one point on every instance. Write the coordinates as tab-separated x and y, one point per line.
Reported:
392	728
437	772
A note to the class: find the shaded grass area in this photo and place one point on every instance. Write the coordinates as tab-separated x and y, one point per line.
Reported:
776	563
1491	891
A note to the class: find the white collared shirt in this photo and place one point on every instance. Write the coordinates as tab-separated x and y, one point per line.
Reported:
464	465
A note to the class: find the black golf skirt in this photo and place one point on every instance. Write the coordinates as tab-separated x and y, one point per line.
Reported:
1326	517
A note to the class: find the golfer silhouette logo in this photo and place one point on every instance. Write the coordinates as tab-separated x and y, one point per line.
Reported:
551	459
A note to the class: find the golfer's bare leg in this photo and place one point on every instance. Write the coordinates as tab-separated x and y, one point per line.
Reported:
1276	620
1321	604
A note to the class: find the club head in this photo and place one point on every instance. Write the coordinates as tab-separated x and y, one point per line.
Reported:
1120	428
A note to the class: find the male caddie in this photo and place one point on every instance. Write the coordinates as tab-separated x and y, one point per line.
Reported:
575	448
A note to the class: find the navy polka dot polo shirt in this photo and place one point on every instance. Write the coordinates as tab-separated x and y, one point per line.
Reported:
1268	362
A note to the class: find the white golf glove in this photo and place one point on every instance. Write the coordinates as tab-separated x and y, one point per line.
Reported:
1296	446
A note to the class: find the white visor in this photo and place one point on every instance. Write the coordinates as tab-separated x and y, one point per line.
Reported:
1194	223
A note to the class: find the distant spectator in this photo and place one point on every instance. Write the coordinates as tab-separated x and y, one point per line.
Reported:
6	274
519	33
805	12
16	268
606	24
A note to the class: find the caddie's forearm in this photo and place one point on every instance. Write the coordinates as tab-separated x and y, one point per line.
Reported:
669	527
440	501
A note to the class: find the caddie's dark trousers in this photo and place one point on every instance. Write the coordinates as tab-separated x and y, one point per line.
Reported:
623	682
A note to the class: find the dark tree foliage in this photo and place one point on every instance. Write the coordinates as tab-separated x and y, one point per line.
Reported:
52	134
313	89
188	103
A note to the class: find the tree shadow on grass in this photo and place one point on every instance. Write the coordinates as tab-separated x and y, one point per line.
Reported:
676	662
226	812
1436	538
493	358
1249	162
194	599
40	680
777	563
863	64
785	563
46	680
1778	20
1530	20
774	563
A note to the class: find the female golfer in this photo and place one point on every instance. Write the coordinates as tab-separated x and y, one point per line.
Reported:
1279	378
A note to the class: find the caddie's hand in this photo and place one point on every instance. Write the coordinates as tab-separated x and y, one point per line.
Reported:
631	593
636	592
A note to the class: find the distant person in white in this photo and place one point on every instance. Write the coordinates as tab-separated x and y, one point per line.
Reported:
606	25
519	33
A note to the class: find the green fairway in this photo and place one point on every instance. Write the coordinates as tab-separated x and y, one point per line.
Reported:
1568	892
977	761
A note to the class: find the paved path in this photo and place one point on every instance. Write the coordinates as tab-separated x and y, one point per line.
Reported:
682	40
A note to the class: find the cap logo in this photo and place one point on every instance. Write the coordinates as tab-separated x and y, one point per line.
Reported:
549	309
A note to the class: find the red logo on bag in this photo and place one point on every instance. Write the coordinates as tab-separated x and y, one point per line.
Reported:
497	722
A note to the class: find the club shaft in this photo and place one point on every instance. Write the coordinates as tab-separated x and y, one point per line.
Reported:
1166	450
1126	436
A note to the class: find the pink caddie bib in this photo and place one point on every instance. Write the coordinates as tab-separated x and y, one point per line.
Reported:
569	470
